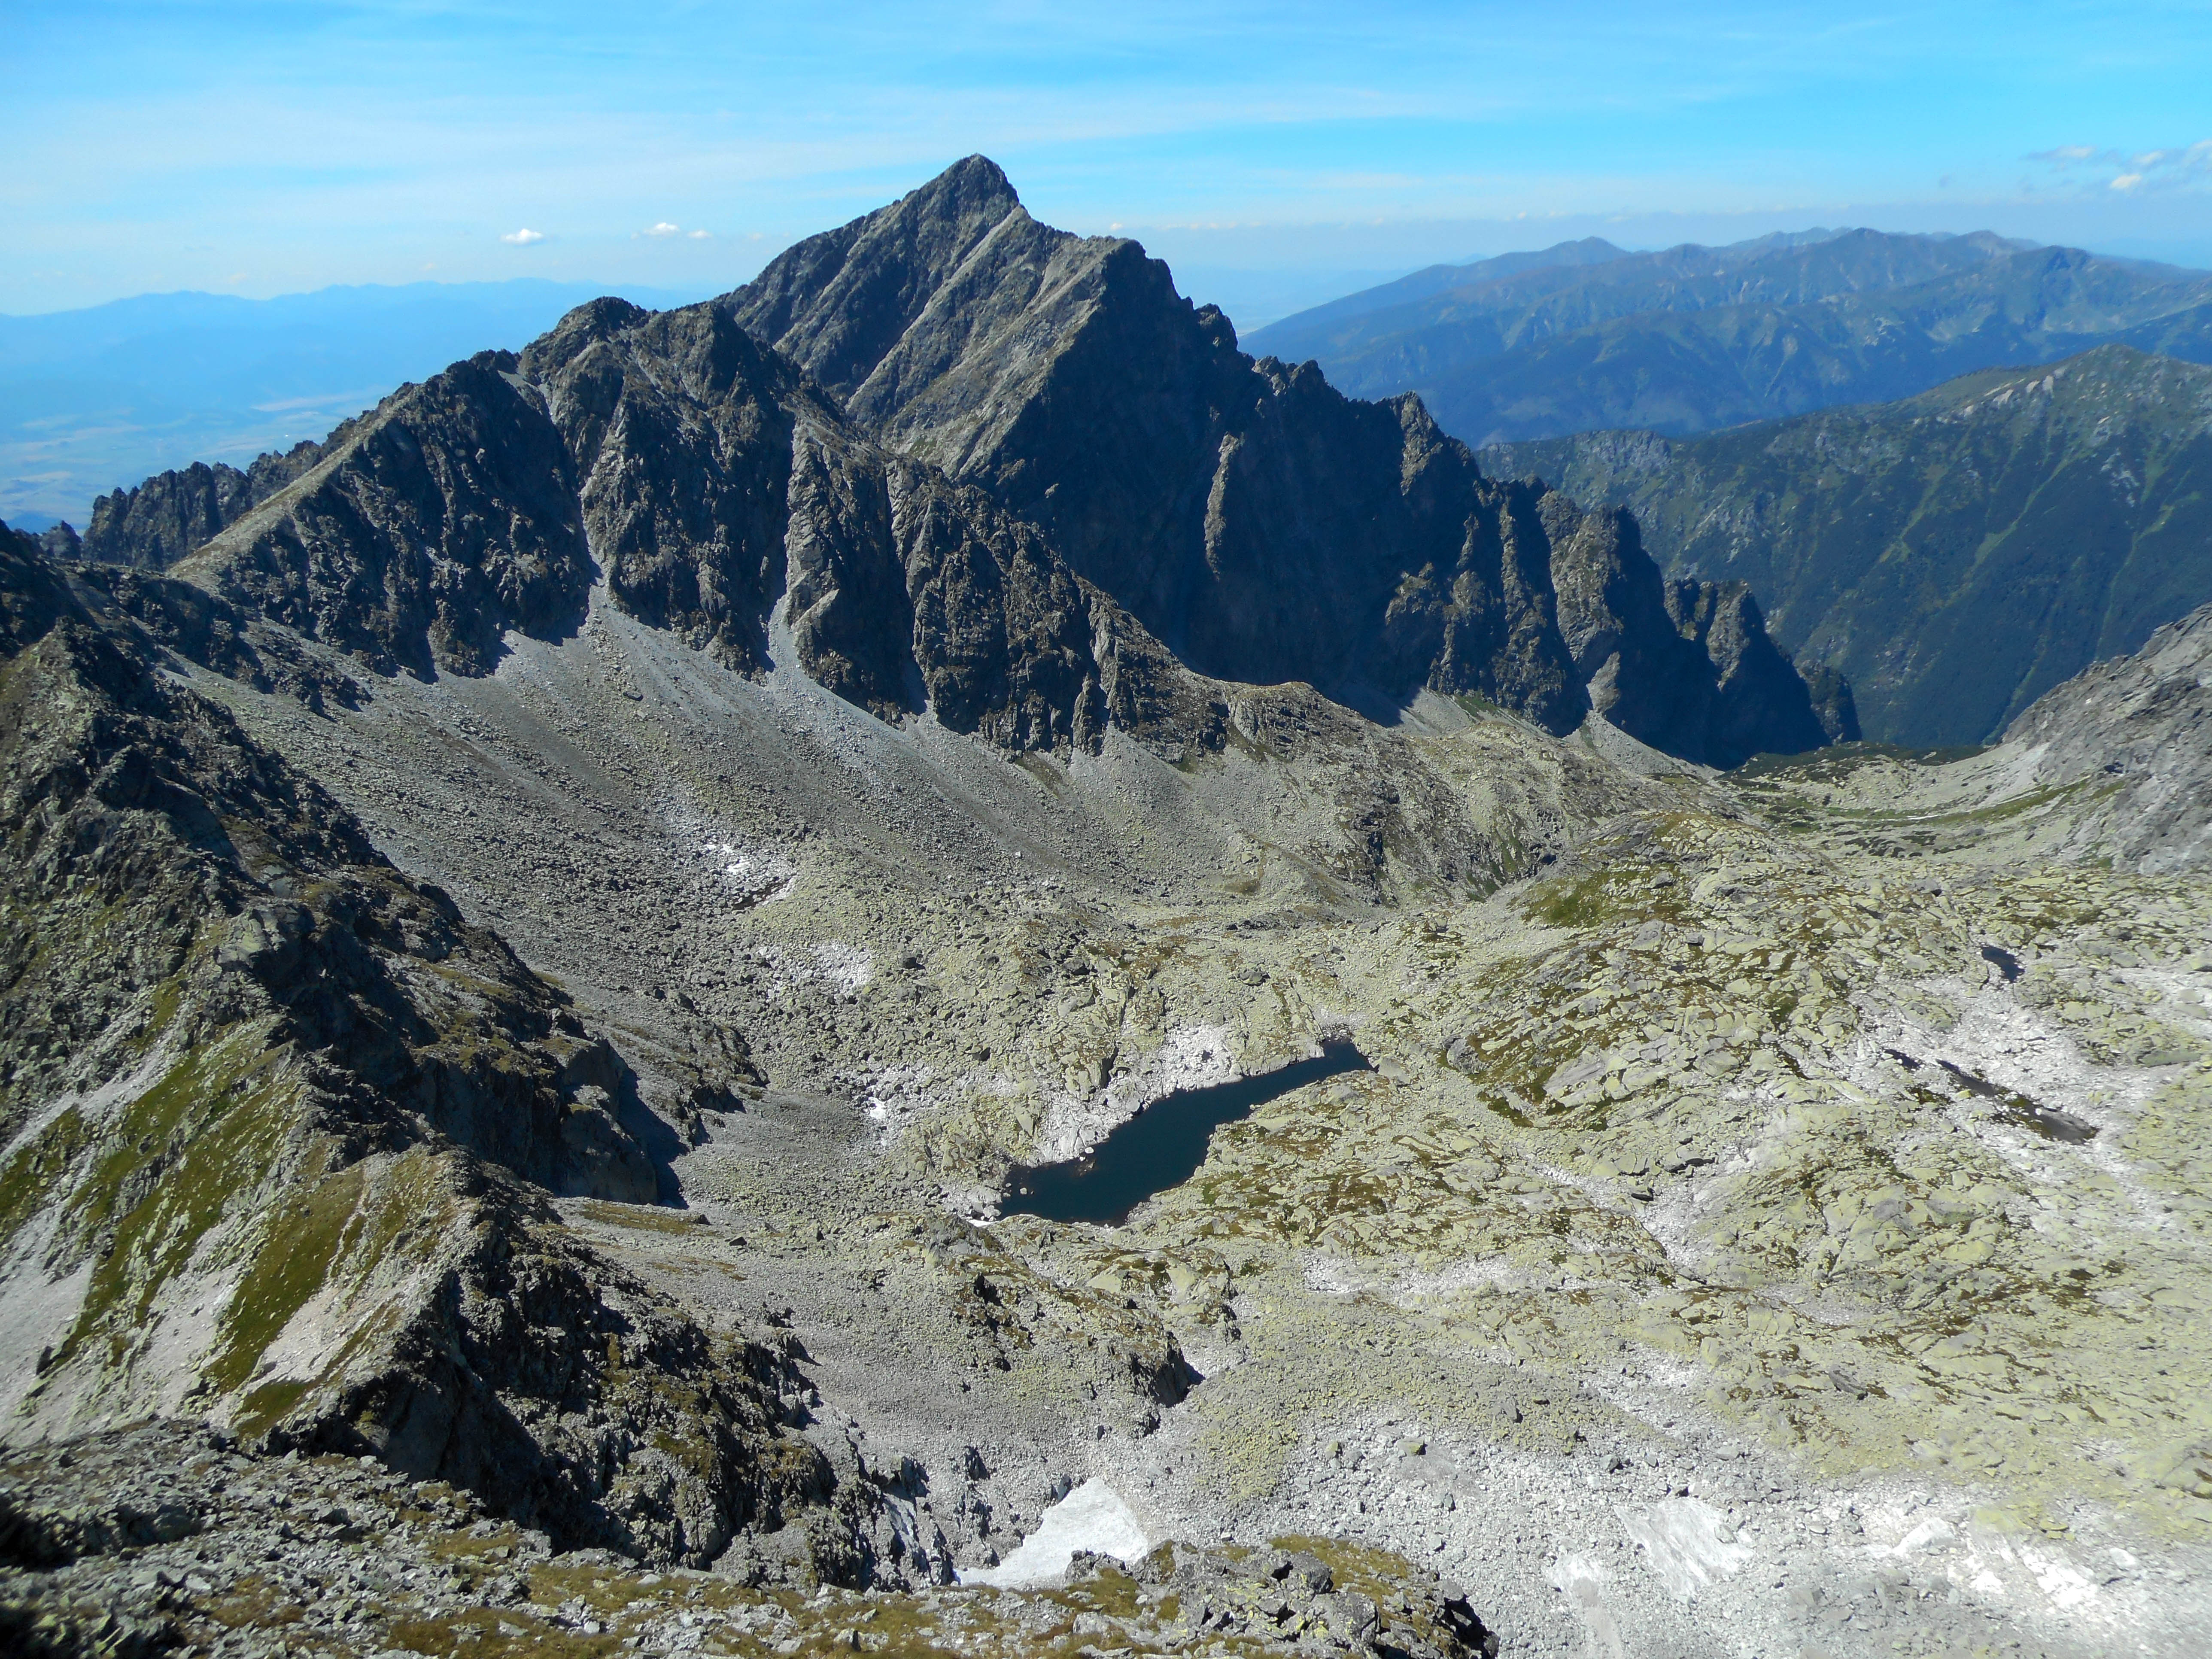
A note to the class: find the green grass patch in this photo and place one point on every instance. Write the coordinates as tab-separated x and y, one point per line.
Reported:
1838	761
30	1179
302	1242
640	1218
205	1137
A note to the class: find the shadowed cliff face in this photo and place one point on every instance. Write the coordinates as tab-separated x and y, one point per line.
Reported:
1683	666
1263	526
427	529
716	479
720	495
680	440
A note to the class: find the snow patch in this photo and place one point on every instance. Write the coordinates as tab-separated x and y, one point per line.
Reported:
1934	1533
1685	1541
755	875
847	968
1468	1278
1582	1581
1091	1517
895	1097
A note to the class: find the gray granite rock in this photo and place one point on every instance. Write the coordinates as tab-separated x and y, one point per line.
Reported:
1262	526
2139	729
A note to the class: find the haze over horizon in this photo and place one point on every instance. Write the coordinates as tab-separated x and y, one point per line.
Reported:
258	150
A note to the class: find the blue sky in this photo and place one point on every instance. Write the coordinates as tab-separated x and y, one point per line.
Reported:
261	148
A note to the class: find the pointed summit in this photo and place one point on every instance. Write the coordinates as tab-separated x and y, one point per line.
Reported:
971	179
838	302
1260	524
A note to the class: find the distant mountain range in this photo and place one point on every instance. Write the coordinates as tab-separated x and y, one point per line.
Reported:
1955	555
96	399
1585	336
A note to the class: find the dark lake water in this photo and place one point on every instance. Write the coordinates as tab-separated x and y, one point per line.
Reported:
1160	1147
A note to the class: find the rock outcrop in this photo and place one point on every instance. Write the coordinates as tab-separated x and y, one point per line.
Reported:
1686	667
152	525
715	478
2140	728
1262	526
424	531
152	1538
710	481
61	542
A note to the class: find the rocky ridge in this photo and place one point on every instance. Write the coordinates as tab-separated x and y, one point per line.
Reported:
2135	728
1261	525
1449	317
161	1538
712	483
152	525
1266	528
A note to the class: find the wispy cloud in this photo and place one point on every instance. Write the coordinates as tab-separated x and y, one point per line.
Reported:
665	228
2132	174
523	237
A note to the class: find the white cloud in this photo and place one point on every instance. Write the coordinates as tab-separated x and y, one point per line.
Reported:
523	237
2144	170
700	235
664	228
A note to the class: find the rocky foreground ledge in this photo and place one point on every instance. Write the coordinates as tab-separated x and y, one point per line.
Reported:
165	1539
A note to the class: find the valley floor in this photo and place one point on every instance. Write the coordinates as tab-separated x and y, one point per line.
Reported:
1784	1228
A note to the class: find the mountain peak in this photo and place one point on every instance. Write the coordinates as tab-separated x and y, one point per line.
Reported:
839	301
1258	522
972	179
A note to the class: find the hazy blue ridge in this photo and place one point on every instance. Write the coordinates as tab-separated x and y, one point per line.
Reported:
1956	554
1691	339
